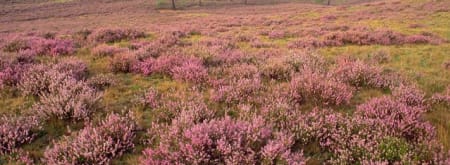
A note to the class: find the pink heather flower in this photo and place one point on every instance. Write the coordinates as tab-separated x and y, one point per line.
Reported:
224	141
17	130
68	99
106	50
320	88
191	70
94	144
114	35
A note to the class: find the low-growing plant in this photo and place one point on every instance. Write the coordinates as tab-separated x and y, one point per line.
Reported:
69	99
123	63
277	68
321	88
94	144
101	81
106	50
360	74
397	118
40	46
17	130
113	35
72	66
39	78
191	70
224	141
237	90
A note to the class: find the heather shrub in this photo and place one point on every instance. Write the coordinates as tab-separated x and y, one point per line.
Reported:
16	45
308	61
39	78
224	141
381	56
101	81
40	46
361	139
15	131
307	42
241	71
359	74
191	70
153	49
187	108
277	68
150	98
122	63
274	34
94	144
257	43
228	57
321	88
74	67
409	95
114	35
106	50
11	75
12	69
237	90
397	118
162	65
442	97
68	99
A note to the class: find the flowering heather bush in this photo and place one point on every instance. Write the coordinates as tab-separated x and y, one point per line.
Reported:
41	46
106	50
74	67
277	68
307	42
163	64
225	141
409	95
191	70
257	43
228	57
154	50
381	56
362	139
123	63
237	90
101	81
16	130
442	98
94	144
359	74
308	61
69	99
320	88
39	78
274	34
421	39
12	69
398	119
241	71
150	98
113	35
382	37
219	44
11	75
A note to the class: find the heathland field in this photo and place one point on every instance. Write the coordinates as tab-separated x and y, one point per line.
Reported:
223	82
